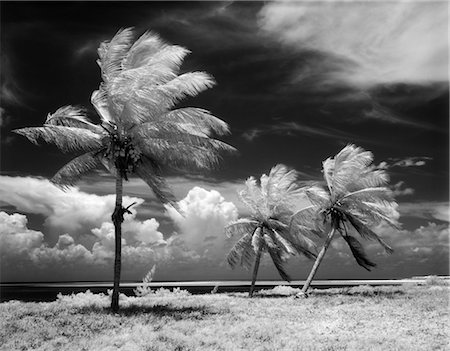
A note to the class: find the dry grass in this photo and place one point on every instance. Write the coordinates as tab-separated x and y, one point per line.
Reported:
361	318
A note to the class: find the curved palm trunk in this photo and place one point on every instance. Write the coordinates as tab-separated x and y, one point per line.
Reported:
117	218
255	272
318	260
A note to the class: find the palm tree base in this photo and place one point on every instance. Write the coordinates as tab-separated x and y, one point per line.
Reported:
301	295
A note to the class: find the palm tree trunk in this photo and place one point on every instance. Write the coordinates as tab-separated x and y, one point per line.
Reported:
117	218
318	260
255	272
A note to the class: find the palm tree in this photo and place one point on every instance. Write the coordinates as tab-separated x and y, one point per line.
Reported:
355	199
141	131
269	226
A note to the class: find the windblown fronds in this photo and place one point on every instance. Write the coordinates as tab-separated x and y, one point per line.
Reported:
112	53
199	118
242	252
139	132
65	138
99	100
355	199
269	227
241	227
72	172
150	173
70	116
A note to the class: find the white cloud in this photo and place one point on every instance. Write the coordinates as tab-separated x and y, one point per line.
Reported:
291	129
430	239
25	252
72	211
201	221
399	189
366	43
412	161
15	236
426	210
29	254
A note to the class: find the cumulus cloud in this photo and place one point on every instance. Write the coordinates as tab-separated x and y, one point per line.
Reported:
200	237
201	221
25	252
365	43
15	236
71	211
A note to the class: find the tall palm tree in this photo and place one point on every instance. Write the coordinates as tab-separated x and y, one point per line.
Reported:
354	200
141	131
269	228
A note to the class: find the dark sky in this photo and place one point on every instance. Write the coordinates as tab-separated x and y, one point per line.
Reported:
295	81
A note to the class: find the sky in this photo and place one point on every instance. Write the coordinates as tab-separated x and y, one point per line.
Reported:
296	82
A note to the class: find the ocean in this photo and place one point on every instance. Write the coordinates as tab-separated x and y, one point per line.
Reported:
45	292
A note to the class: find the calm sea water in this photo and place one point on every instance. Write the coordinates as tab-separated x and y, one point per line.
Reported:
39	292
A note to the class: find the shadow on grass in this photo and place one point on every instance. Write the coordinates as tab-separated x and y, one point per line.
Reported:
355	291
157	310
361	292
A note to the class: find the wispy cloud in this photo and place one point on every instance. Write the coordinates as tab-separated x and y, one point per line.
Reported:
10	92
425	210
371	42
399	189
413	161
291	129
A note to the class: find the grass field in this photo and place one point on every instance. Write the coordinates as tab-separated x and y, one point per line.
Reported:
407	317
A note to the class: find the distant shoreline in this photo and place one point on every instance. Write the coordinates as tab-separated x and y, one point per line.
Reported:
328	282
47	292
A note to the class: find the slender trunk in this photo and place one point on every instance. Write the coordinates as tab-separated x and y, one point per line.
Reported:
117	218
318	260
255	272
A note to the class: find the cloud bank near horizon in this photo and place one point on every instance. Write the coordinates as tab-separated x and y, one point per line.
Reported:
196	239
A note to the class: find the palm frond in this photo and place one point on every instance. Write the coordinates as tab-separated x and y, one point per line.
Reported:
187	84
370	177
240	227
349	164
72	172
304	217
300	241
358	252
278	224
71	116
133	95
367	233
100	101
318	196
252	197
280	188
258	240
170	56
268	240
65	138
198	117
182	152
112	53
242	252
282	243
373	213
143	49
328	171
150	173
278	262
369	194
